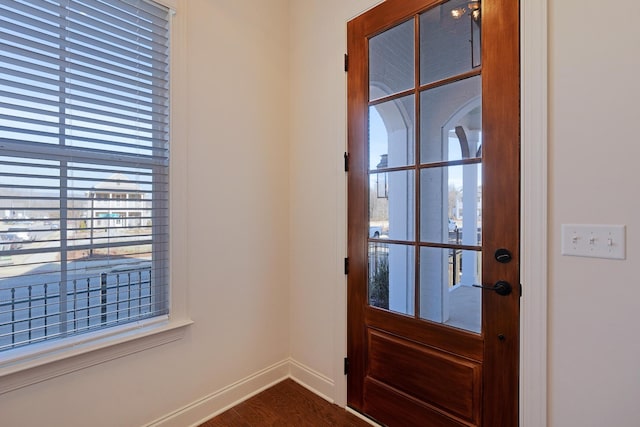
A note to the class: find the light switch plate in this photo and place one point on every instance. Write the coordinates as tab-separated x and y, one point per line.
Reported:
597	241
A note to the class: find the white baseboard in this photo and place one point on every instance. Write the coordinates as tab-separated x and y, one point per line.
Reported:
312	380
209	406
201	410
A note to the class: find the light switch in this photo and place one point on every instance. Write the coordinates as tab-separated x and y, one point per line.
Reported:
598	241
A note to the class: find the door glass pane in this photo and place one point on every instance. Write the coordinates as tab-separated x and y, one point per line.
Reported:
451	121
391	66
451	204
392	133
447	294
392	277
392	205
449	40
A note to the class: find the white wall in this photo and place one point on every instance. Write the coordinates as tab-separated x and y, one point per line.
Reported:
318	212
238	182
237	213
594	349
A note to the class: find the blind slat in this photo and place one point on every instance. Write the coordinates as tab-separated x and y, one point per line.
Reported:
104	158
56	39
120	127
88	113
125	10
134	76
106	97
120	32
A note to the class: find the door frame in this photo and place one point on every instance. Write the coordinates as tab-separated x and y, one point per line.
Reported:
534	214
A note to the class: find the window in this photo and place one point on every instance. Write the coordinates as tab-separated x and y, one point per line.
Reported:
84	167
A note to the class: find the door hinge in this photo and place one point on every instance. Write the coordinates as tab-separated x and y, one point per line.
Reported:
520	289
346	266
346	366
346	62
346	161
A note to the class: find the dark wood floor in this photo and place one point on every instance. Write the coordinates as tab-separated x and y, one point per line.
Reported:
283	405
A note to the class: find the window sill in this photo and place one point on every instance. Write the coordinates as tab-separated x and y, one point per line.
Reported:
39	362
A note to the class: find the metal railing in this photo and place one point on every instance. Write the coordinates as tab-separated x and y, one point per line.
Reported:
379	275
46	311
378	268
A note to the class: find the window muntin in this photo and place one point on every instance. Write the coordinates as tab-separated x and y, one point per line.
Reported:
425	124
84	158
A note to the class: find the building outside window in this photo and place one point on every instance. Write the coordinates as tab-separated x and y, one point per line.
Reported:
118	201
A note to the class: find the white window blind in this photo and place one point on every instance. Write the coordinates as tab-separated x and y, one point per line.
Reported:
84	163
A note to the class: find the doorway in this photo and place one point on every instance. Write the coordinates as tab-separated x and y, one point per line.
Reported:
433	239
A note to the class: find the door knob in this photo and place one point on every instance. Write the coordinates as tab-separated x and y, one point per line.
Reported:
501	288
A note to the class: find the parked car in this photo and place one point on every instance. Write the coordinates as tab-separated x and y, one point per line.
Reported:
10	241
52	225
21	234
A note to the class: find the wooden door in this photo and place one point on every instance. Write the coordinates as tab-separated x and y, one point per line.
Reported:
433	222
